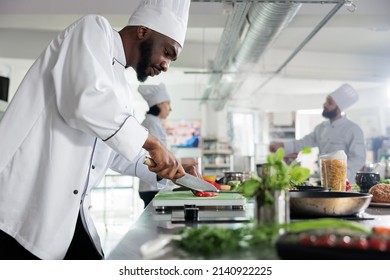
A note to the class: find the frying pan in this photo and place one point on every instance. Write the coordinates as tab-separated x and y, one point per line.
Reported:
309	203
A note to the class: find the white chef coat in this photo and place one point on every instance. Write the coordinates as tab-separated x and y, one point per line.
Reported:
341	134
156	128
68	122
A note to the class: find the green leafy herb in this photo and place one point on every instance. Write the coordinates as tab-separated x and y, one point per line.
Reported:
384	181
207	241
355	188
277	176
234	184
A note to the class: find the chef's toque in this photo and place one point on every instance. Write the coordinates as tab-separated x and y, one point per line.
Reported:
344	96
154	94
168	17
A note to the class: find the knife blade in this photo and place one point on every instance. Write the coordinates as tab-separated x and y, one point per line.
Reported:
188	181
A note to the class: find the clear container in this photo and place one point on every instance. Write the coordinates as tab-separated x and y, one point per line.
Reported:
334	171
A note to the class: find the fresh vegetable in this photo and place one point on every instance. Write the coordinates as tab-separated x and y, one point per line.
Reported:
207	194
384	181
204	194
381	230
234	184
341	241
325	223
355	188
277	176
208	241
215	184
348	186
377	243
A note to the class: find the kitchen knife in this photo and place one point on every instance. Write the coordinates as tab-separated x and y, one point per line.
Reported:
189	181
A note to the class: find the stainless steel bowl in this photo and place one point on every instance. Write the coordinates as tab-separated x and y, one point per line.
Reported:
328	203
235	176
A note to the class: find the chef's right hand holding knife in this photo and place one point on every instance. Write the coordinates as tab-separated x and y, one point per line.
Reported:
167	166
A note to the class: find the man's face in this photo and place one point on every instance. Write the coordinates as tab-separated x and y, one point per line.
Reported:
165	109
329	114
145	60
330	108
156	53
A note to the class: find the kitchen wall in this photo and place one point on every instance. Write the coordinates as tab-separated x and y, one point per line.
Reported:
372	114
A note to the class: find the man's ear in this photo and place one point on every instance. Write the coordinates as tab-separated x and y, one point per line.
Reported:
142	32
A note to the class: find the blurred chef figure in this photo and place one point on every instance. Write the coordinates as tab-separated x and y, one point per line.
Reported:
71	119
159	108
336	133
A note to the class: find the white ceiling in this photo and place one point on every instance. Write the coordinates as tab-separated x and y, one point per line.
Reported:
354	46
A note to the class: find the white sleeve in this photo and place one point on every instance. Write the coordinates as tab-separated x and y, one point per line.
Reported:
136	168
90	90
296	146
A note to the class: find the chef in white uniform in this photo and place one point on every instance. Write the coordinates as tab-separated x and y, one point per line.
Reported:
159	104
336	133
70	120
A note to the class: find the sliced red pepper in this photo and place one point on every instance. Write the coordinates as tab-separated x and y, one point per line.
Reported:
204	194
215	184
207	194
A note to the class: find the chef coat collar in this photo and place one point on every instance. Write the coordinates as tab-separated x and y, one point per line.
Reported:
119	52
339	121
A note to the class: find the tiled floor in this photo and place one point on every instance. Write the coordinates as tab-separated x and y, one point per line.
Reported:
114	210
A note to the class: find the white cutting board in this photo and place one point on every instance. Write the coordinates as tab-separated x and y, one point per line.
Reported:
181	198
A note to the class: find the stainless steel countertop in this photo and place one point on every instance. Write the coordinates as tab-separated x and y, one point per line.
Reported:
152	224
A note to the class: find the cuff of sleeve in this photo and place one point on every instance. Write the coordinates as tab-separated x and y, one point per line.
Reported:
129	139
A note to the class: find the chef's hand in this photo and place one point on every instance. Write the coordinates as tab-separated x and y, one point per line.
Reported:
167	165
273	147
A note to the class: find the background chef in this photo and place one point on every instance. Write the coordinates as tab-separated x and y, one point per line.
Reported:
336	133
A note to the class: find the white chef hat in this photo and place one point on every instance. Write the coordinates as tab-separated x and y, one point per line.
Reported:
344	96
154	94
168	17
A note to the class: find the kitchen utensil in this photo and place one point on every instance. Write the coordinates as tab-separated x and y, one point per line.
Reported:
234	176
328	203
181	189
365	180
188	180
310	189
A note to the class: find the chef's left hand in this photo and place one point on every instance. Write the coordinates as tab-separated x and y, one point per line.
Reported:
190	166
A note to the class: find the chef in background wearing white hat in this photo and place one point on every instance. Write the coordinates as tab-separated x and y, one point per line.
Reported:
336	133
71	119
159	104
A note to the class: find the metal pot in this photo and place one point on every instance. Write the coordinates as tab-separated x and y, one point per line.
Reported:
328	203
234	176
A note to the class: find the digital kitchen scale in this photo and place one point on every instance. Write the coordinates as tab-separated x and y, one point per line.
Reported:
212	216
181	198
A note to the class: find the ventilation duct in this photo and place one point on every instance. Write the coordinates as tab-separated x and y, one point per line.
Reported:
265	21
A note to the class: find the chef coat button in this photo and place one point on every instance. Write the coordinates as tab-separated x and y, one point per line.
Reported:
75	191
93	166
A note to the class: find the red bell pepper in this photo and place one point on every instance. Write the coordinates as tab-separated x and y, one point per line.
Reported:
207	194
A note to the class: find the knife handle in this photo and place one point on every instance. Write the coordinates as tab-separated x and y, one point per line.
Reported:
149	162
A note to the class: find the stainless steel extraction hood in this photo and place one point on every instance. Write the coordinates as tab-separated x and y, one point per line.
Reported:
250	30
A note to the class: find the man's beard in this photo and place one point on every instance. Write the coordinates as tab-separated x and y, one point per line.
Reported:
145	50
329	114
